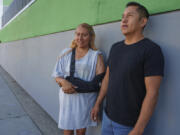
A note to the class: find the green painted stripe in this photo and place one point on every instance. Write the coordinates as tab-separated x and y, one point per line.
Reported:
7	2
45	16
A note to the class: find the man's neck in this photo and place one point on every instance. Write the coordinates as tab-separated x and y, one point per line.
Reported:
131	39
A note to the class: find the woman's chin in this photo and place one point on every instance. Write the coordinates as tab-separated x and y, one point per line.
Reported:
82	46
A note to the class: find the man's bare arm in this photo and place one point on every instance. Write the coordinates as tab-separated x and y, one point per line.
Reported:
100	68
102	94
152	84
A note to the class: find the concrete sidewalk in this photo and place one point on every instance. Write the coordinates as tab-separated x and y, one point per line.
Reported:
19	113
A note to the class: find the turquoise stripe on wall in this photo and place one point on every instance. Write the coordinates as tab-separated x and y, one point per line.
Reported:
51	16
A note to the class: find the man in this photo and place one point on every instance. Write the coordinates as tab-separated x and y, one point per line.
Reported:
132	80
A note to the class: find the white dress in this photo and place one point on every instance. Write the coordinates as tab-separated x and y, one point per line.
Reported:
75	109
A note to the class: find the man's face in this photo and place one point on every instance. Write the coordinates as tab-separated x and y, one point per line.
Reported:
131	22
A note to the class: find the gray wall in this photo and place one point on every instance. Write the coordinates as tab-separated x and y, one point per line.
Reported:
31	62
5	8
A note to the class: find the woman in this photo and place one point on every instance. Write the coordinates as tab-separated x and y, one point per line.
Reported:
75	107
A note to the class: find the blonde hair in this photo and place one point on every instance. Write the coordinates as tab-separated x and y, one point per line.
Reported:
91	33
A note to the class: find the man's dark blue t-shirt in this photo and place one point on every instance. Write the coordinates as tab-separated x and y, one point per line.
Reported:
128	65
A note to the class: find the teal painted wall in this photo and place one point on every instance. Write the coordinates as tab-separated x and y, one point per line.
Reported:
46	17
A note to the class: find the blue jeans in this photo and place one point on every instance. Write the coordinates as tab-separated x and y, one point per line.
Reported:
110	127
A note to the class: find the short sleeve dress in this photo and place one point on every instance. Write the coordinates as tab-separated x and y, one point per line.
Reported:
75	108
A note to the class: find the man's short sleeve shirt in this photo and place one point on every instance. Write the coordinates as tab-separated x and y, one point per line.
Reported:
128	65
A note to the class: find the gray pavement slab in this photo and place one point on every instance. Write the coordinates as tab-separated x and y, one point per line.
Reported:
19	113
9	106
18	126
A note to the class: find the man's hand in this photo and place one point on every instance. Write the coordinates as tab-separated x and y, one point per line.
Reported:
94	113
135	132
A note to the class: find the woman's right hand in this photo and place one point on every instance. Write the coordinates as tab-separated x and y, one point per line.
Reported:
67	87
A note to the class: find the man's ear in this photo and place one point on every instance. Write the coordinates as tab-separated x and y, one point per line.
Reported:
143	22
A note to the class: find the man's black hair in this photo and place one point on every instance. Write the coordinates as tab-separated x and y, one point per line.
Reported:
140	8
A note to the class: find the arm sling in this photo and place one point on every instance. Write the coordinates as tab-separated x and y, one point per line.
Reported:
83	86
